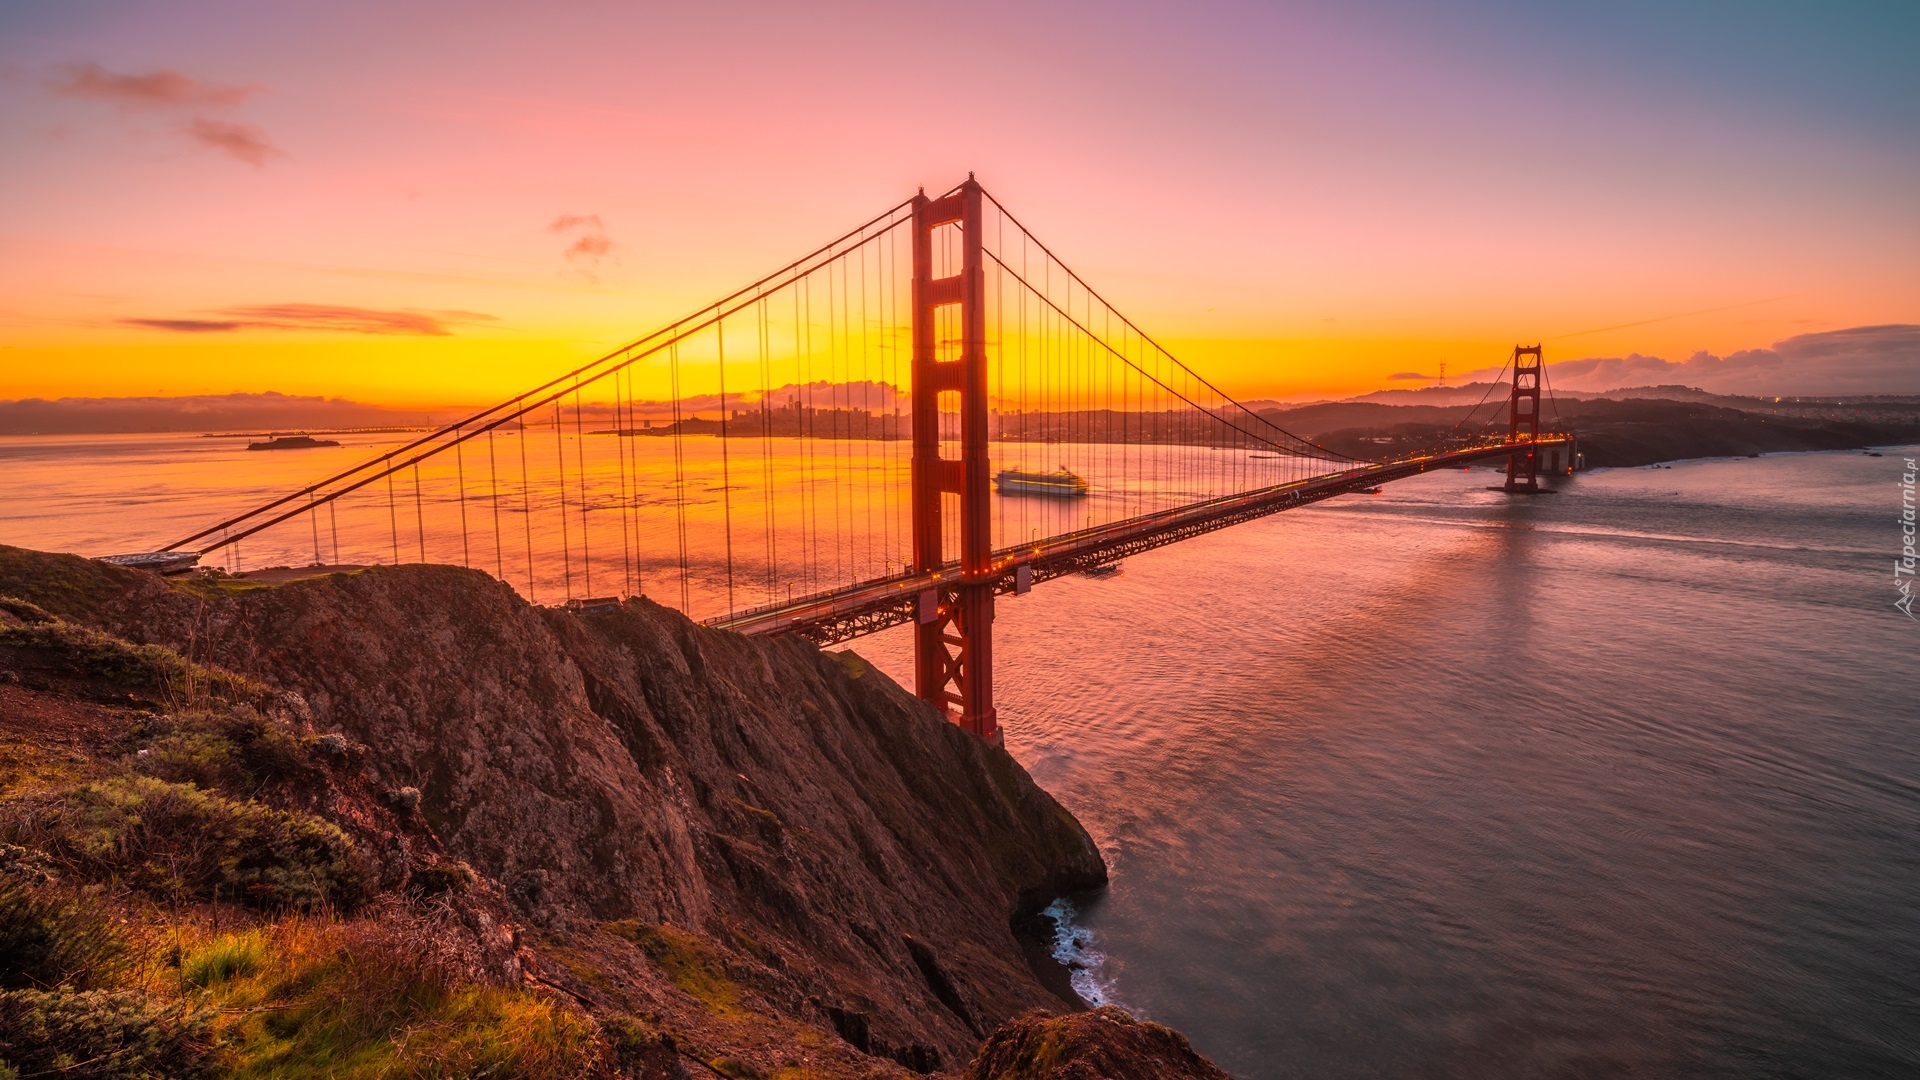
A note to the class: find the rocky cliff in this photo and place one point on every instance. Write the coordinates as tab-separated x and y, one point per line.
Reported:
766	856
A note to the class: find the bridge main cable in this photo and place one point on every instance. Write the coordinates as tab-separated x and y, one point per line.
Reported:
828	248
1131	325
619	358
1157	381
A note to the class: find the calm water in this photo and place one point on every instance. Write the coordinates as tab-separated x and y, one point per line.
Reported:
1623	780
708	526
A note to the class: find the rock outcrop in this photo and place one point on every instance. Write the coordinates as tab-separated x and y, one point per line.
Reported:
749	844
1105	1044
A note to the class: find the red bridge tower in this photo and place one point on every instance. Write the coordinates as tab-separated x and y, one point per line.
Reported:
1523	419
953	637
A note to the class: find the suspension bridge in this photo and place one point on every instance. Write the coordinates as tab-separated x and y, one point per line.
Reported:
816	454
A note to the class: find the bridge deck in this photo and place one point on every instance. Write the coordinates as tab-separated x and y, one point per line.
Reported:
869	606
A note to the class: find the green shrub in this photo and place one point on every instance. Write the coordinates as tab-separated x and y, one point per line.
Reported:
192	757
49	938
450	876
177	839
734	1067
102	1034
635	1042
100	655
237	750
228	957
689	961
24	610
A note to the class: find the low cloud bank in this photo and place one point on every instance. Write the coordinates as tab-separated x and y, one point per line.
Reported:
1858	360
207	412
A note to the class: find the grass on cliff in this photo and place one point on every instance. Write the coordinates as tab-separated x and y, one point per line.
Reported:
73	586
216	586
141	993
38	639
336	1000
178	841
688	961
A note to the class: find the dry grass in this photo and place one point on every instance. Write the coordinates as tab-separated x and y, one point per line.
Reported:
231	993
355	999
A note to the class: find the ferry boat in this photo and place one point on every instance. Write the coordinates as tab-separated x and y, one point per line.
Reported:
291	442
1059	484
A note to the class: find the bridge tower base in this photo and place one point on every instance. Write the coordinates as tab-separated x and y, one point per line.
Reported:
1523	419
953	634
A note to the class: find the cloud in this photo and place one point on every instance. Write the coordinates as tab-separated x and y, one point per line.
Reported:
164	88
243	141
323	317
1408	376
590	246
1858	360
186	326
573	221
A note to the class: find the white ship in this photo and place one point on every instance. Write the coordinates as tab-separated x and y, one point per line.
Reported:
1059	484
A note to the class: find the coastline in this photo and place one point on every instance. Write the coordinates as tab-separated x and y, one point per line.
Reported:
765	854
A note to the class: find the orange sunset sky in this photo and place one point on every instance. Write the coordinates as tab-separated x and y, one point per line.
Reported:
433	204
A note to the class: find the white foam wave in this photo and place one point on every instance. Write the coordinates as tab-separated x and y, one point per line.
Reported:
1073	947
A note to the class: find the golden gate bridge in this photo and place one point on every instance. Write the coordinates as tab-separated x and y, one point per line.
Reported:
823	462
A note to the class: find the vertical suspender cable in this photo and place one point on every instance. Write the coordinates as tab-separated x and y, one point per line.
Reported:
866	421
620	438
726	480
766	445
526	507
560	466
419	513
802	464
493	494
633	453
630	522
680	483
460	467
833	446
580	457
809	489
393	521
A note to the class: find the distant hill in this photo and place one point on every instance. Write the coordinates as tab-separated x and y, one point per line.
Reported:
1631	430
1464	394
204	412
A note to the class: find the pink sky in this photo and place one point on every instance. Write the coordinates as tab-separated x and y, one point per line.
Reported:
437	203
